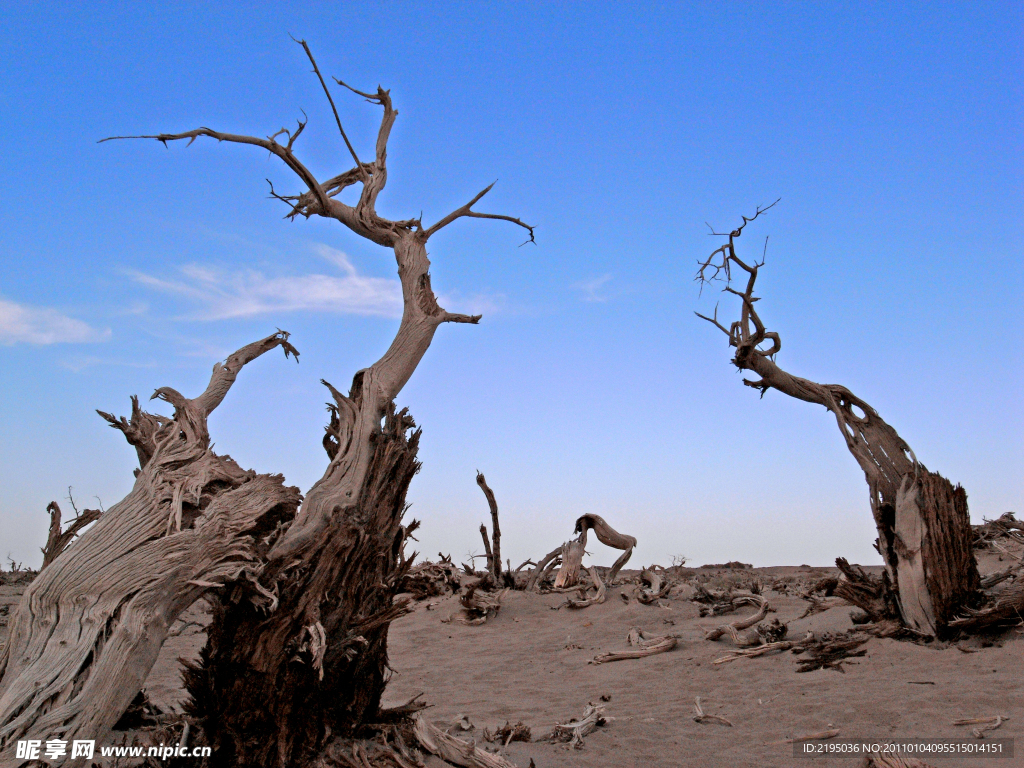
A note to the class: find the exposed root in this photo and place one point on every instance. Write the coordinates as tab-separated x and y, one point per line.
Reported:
508	733
431	580
829	652
655	589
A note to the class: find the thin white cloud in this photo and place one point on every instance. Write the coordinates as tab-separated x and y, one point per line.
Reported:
246	293
591	288
20	323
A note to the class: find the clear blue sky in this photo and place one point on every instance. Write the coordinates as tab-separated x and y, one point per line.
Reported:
892	134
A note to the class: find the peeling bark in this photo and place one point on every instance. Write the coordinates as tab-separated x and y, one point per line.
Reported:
924	535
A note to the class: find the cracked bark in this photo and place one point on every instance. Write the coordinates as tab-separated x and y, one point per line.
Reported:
924	531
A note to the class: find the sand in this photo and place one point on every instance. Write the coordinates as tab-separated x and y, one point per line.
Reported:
530	663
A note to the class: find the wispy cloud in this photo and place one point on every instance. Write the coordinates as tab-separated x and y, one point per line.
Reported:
20	323
592	288
246	293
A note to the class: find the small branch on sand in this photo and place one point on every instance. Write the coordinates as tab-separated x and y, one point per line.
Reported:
819	736
644	647
700	717
987	723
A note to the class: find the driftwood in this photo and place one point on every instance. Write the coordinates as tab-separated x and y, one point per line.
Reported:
57	541
1007	609
479	606
572	551
543	569
645	646
733	629
453	750
894	761
986	723
924	530
655	589
574	731
700	717
508	733
584	601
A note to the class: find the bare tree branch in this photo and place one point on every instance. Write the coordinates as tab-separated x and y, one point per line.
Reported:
466	210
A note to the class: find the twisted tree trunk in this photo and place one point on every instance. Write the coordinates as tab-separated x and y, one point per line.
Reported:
924	530
298	647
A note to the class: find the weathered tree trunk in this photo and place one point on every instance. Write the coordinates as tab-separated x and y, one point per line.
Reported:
491	548
57	540
269	690
924	533
89	628
298	649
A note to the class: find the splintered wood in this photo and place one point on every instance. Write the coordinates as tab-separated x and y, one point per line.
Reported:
644	647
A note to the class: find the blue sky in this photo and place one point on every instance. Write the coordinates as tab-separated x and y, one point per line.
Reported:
892	135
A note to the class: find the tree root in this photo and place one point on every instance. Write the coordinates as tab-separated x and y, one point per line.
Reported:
655	589
987	723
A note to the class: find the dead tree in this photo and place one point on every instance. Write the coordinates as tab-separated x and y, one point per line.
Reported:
297	649
492	548
924	531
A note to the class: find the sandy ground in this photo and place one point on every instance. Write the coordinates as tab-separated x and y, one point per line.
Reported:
531	663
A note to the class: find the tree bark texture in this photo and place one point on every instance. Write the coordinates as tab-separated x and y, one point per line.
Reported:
89	628
924	533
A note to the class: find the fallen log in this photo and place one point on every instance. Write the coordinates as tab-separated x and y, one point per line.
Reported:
453	750
733	629
575	730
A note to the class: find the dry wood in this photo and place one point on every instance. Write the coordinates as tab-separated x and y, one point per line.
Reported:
478	606
543	569
57	541
89	628
924	532
655	589
492	548
644	647
733	628
455	751
700	717
817	736
575	730
598	597
986	723
610	538
829	652
1005	610
894	761
572	561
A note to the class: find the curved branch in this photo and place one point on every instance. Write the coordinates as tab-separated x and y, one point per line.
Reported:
466	210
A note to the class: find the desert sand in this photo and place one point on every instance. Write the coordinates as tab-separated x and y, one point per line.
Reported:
531	663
